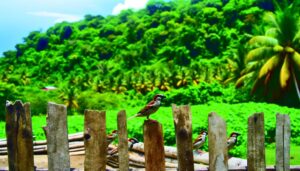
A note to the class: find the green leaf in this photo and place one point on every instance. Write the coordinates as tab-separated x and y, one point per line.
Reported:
263	40
270	65
285	72
258	53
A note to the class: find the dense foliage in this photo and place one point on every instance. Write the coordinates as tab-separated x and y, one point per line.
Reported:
193	50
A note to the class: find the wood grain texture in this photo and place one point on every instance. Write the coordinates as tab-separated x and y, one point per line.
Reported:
19	136
95	140
183	128
123	143
283	134
256	143
57	137
154	146
218	155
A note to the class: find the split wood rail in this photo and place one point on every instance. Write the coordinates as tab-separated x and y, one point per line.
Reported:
21	149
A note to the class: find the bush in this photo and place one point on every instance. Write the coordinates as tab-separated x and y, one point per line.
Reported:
203	93
7	92
99	101
38	99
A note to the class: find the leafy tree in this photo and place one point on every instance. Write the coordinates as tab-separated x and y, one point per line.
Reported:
274	60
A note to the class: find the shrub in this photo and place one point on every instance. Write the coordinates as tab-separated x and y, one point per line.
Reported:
99	101
38	99
203	93
7	92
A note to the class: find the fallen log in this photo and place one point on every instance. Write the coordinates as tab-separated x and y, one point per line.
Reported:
199	157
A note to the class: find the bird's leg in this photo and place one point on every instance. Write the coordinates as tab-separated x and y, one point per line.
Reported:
151	119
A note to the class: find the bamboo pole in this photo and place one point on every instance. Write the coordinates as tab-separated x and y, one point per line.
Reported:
154	146
183	128
123	143
95	140
256	143
218	156
19	136
57	138
283	134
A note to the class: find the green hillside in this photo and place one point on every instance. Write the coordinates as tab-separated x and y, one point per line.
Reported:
194	51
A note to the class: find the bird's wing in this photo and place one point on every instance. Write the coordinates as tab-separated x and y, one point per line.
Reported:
147	107
199	138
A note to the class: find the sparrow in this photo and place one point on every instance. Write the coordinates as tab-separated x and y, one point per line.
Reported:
150	108
200	140
111	137
232	140
131	142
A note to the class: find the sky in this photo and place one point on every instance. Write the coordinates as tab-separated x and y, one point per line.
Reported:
20	17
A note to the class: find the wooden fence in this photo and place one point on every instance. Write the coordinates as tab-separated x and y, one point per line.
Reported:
20	145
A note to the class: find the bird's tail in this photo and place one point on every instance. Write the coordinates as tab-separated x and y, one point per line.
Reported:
131	117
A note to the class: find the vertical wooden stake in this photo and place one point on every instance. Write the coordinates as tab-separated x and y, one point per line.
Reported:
57	138
19	136
123	142
154	146
218	156
183	127
283	134
256	143
95	140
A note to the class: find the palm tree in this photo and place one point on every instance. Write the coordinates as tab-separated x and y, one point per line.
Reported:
274	60
68	94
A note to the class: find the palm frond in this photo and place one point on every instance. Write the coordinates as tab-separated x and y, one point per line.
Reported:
270	65
285	72
296	59
272	32
243	78
259	53
270	18
296	39
252	66
263	40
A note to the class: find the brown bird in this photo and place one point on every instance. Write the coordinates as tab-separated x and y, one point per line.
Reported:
150	108
131	142
200	140
111	137
232	140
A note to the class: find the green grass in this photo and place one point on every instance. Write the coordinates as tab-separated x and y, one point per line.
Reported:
235	115
294	155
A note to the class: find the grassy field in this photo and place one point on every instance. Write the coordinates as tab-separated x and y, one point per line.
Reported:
235	116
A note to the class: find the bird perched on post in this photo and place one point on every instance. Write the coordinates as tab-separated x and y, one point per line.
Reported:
232	140
200	140
150	108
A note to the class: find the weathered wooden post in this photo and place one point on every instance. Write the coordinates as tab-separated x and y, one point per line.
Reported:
218	155
123	143
256	143
57	137
154	146
183	127
283	136
19	136
95	140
